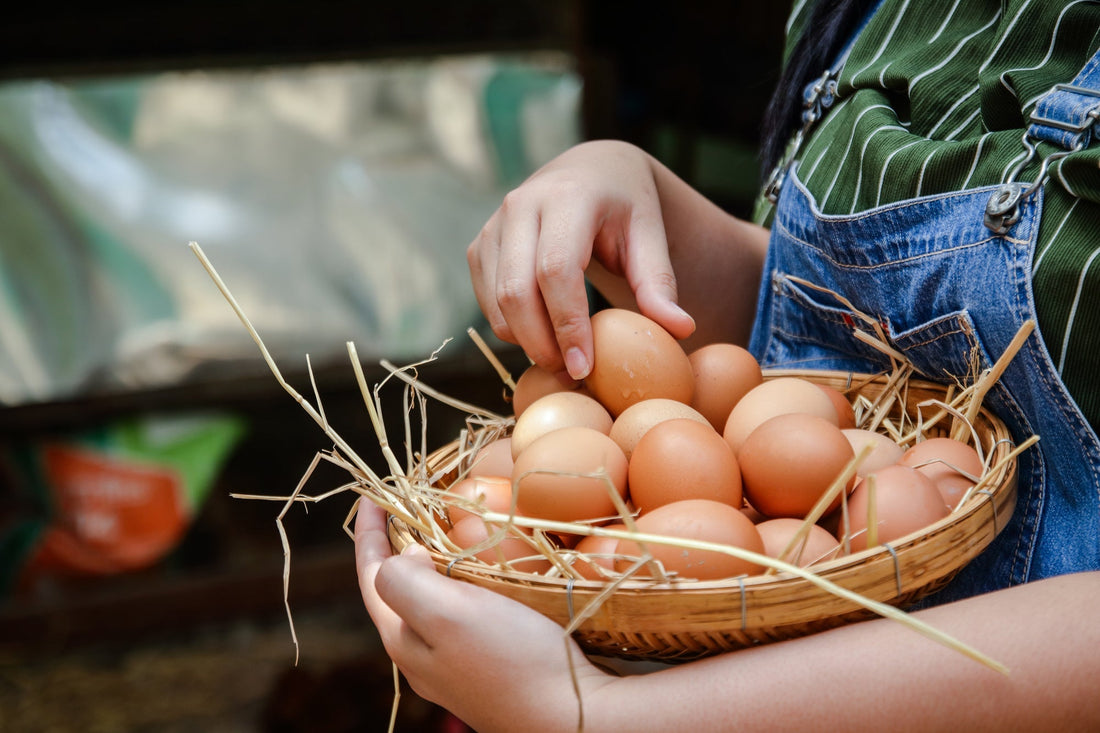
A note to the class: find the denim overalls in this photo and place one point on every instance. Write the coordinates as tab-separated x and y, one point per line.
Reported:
945	285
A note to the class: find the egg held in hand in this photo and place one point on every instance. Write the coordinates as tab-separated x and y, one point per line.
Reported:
636	359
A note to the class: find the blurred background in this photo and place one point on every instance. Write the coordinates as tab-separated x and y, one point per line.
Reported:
333	160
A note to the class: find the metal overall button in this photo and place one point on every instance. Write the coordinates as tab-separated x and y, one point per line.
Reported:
1003	208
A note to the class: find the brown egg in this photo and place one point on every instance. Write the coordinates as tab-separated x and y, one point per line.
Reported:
536	382
884	452
905	501
493	459
682	459
818	545
592	551
952	465
558	410
493	493
846	416
700	520
635	359
567	475
471	531
790	461
636	420
778	396
723	373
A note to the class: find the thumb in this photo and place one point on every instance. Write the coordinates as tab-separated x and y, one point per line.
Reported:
419	554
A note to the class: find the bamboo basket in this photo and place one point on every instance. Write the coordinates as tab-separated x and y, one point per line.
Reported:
681	620
670	619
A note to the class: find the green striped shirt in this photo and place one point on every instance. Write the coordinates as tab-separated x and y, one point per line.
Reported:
934	98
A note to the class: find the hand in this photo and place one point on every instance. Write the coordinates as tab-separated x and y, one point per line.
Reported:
597	202
488	659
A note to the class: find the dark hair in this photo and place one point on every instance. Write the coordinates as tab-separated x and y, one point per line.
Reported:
829	25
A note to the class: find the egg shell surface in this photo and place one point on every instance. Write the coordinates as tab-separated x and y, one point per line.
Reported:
493	459
636	359
636	420
558	410
701	520
536	382
790	461
594	550
905	501
884	451
818	546
491	493
723	373
952	465
471	531
567	475
683	459
774	397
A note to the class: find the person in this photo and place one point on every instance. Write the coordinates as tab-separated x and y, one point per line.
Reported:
912	190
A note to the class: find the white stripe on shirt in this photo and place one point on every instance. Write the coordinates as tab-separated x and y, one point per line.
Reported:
1073	309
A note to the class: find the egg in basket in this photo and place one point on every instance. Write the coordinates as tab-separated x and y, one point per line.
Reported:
661	522
678	505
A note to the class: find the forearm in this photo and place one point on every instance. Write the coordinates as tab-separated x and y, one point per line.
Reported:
880	675
716	257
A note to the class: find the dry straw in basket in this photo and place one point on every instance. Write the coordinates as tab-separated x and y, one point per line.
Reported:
663	617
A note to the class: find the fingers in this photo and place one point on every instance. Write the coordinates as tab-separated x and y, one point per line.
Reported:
564	251
372	543
520	297
598	203
482	257
372	551
401	593
648	270
425	600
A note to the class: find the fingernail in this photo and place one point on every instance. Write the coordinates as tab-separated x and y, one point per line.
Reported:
576	363
685	314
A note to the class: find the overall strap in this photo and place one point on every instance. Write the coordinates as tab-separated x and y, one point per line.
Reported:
1065	115
820	94
817	97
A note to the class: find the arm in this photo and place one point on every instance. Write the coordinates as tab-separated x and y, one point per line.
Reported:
643	236
492	661
879	675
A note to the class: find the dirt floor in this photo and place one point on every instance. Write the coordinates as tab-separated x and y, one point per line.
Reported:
230	679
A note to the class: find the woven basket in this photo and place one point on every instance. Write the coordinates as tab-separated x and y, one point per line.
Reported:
692	619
